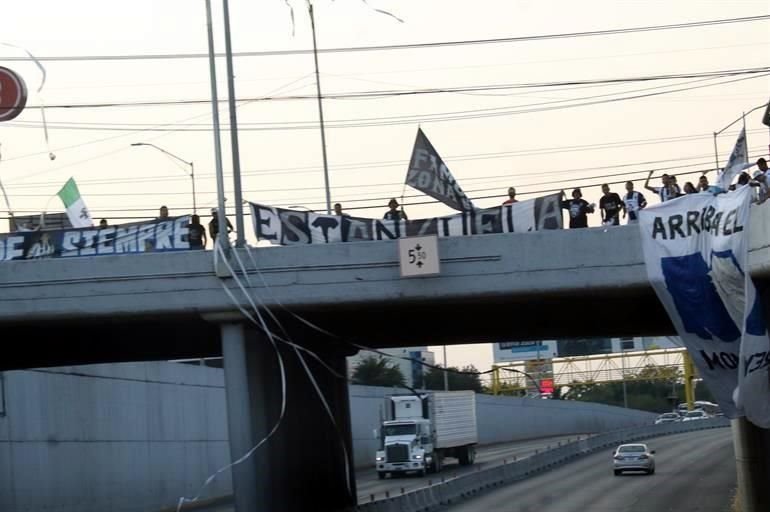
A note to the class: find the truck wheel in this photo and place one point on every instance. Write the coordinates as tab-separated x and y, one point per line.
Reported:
465	456
422	472
381	475
437	463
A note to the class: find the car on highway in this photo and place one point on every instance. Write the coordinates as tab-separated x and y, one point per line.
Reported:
633	457
668	417
695	415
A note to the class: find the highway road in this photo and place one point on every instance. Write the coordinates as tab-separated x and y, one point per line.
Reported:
368	484
695	472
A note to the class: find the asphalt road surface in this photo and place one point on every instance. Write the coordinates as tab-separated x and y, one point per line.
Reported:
695	472
367	482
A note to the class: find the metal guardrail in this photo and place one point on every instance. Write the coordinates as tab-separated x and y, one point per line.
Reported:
453	490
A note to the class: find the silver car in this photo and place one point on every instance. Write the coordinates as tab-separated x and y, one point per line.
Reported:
669	417
695	415
633	457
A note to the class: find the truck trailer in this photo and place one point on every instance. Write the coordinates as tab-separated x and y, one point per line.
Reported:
421	430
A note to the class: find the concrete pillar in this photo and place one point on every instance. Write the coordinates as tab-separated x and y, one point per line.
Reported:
752	460
302	467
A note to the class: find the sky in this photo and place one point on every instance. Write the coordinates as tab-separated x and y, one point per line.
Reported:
493	138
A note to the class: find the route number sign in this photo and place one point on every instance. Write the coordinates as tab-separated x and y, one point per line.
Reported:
13	94
419	256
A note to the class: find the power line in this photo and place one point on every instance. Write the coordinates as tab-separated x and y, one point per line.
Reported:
387	93
356	166
409	46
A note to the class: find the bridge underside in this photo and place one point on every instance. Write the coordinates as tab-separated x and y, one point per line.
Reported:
60	343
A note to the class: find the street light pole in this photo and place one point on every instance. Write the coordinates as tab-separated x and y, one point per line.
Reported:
320	113
446	372
240	240
172	155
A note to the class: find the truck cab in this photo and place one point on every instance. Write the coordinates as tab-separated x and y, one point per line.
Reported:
407	445
420	430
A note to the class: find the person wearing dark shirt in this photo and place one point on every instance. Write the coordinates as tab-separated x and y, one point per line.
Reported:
578	209
214	225
610	206
689	188
511	196
633	202
196	233
394	213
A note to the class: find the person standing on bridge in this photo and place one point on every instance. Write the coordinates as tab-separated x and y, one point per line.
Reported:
666	192
511	196
214	226
578	209
760	176
338	210
610	206
633	202
196	233
394	213
163	214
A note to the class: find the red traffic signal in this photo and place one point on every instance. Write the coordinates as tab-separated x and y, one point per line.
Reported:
13	94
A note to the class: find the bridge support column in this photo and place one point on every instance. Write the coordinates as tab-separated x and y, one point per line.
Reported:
752	460
302	466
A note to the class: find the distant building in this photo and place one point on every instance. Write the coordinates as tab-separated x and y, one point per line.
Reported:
407	359
505	352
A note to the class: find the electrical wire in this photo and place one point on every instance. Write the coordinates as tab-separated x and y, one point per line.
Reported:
410	46
379	94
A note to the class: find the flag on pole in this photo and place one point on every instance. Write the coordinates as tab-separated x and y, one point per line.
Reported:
738	161
76	208
429	174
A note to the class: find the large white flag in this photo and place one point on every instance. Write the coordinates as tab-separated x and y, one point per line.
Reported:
76	208
696	254
738	161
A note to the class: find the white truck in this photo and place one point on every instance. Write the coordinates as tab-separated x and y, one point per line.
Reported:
419	431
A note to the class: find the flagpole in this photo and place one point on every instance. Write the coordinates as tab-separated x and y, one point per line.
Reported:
716	152
744	131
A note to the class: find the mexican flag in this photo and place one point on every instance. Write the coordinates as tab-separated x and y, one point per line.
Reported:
76	208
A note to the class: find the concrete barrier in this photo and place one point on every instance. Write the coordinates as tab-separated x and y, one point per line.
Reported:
466	485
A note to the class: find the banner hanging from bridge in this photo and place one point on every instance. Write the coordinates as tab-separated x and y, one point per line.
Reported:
283	226
153	236
696	255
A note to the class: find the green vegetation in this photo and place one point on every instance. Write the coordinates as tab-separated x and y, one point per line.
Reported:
377	371
654	388
434	379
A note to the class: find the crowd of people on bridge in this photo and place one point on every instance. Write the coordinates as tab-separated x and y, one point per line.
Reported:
611	205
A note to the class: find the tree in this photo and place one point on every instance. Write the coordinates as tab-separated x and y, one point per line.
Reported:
466	378
378	371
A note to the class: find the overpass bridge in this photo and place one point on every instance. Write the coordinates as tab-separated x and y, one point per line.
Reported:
546	284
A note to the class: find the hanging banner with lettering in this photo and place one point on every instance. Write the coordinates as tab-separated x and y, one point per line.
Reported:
151	236
429	174
696	254
282	226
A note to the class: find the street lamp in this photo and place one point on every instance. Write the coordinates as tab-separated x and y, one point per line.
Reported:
172	155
